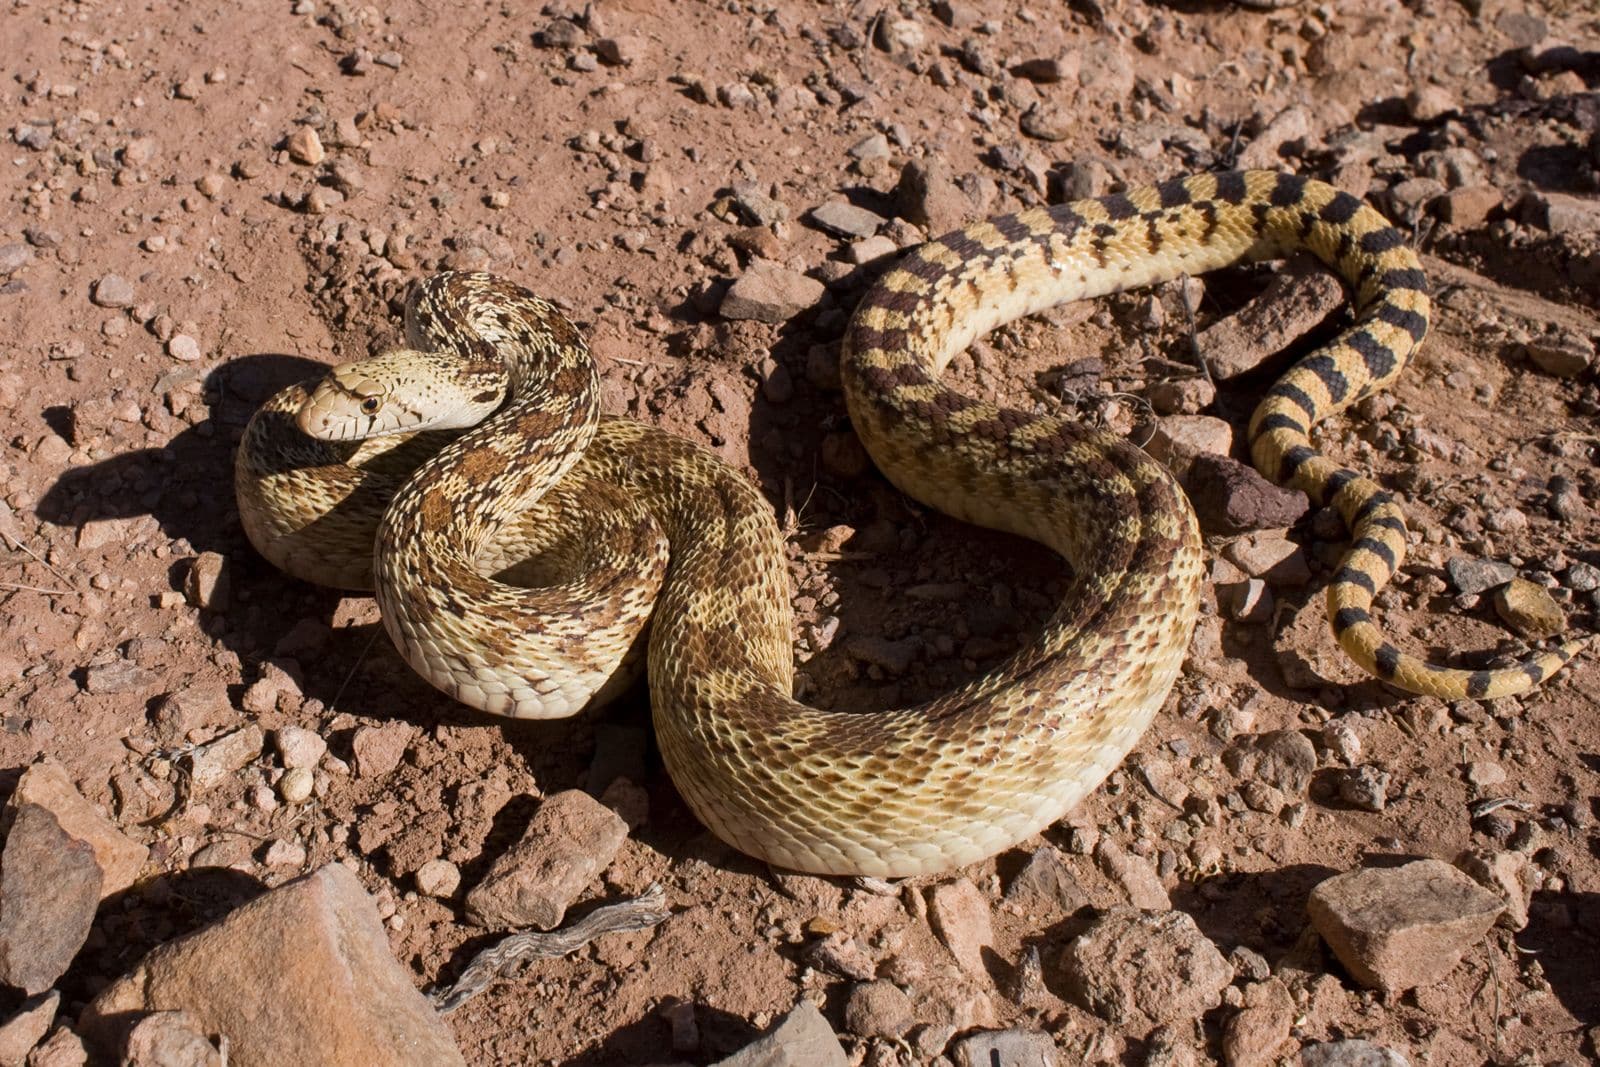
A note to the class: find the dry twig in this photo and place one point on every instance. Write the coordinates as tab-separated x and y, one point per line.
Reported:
501	959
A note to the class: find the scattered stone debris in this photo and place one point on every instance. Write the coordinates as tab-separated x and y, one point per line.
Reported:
1295	301
1142	969
1230	497
769	293
171	1039
802	1038
568	842
1402	927
962	920
1254	1034
50	887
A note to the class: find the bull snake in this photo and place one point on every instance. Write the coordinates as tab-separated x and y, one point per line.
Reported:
891	792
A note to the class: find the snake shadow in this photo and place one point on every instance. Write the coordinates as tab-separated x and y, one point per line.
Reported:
186	485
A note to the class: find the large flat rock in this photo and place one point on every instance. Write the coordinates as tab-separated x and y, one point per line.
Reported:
302	974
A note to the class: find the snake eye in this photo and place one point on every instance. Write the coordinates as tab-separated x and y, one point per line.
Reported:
371	405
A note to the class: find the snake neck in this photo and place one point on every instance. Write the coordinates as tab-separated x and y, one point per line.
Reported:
461	498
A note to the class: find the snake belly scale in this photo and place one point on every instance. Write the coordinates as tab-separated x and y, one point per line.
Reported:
881	792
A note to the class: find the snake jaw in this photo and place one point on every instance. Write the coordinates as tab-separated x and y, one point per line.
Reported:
399	392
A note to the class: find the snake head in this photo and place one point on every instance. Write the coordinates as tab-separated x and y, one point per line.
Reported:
398	392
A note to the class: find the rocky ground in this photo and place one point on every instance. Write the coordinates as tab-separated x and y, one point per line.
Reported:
210	199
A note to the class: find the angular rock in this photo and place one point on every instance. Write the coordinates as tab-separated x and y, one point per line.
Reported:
1365	787
305	147
930	195
1287	126
118	676
1283	759
207	584
756	206
113	291
379	749
1181	396
878	1009
1350	1054
1142	969
1402	927
13	257
1565	355
770	293
1560	213
1529	609
301	974
847	220
568	842
961	918
1427	103
50	887
64	1048
901	38
299	747
215	760
1259	1028
1050	69
871	250
20	1033
1133	874
47	785
1278	561
1473	576
622	51
1048	121
184	348
1232	497
1294	303
1047	881
802	1038
1505	873
1008	1048
1469	206
1178	439
1106	68
841	954
170	1039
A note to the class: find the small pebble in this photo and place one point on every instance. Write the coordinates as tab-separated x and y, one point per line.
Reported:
286	854
296	785
305	146
438	878
183	347
113	291
299	747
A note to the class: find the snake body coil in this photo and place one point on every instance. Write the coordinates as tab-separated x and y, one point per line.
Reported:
887	792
